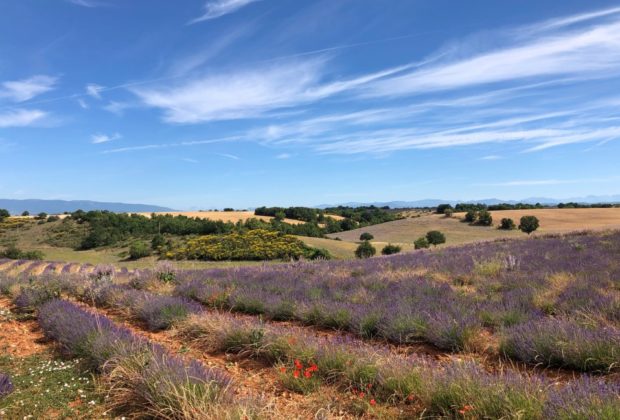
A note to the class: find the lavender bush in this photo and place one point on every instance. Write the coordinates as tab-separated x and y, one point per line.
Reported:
6	386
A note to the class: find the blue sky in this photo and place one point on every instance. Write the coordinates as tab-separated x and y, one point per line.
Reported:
206	104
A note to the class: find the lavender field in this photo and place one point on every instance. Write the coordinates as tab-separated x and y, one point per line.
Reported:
509	329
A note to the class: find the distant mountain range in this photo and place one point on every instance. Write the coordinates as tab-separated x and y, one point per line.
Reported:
60	206
433	202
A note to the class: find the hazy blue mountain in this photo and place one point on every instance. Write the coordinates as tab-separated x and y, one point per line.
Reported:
61	206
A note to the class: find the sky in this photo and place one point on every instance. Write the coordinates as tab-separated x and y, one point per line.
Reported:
200	104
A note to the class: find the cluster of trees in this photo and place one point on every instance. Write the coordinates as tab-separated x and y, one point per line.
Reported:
433	237
305	214
466	207
367	250
257	244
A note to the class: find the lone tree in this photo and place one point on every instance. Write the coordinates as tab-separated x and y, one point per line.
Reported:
365	250
529	224
507	224
435	237
366	237
485	218
26	213
441	209
390	249
471	216
421	243
4	214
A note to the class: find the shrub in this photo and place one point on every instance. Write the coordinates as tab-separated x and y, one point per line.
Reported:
529	224
139	249
157	242
14	253
390	249
318	254
421	243
4	214
507	224
471	216
365	250
448	212
41	216
26	213
366	237
485	218
52	219
435	237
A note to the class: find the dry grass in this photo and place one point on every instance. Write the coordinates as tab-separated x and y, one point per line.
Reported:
224	216
563	220
405	231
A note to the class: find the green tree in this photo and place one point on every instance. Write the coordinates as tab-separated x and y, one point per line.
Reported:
366	237
158	241
26	213
471	216
365	250
435	237
485	218
507	224
42	216
421	243
4	214
529	224
442	208
390	249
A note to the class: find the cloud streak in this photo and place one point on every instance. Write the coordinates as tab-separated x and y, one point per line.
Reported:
217	8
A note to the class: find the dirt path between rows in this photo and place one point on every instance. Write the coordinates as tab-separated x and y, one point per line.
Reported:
19	338
252	378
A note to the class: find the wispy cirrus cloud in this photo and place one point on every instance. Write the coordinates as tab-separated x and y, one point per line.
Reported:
94	90
86	3
218	8
25	89
21	117
104	138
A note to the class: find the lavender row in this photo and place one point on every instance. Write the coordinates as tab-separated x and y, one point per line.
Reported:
141	378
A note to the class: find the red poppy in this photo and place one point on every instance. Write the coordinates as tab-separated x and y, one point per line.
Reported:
362	395
373	402
296	374
298	364
308	374
282	369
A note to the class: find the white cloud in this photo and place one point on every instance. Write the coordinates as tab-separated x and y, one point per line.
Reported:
491	157
21	118
104	138
218	8
94	90
25	89
242	94
284	156
82	103
86	3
